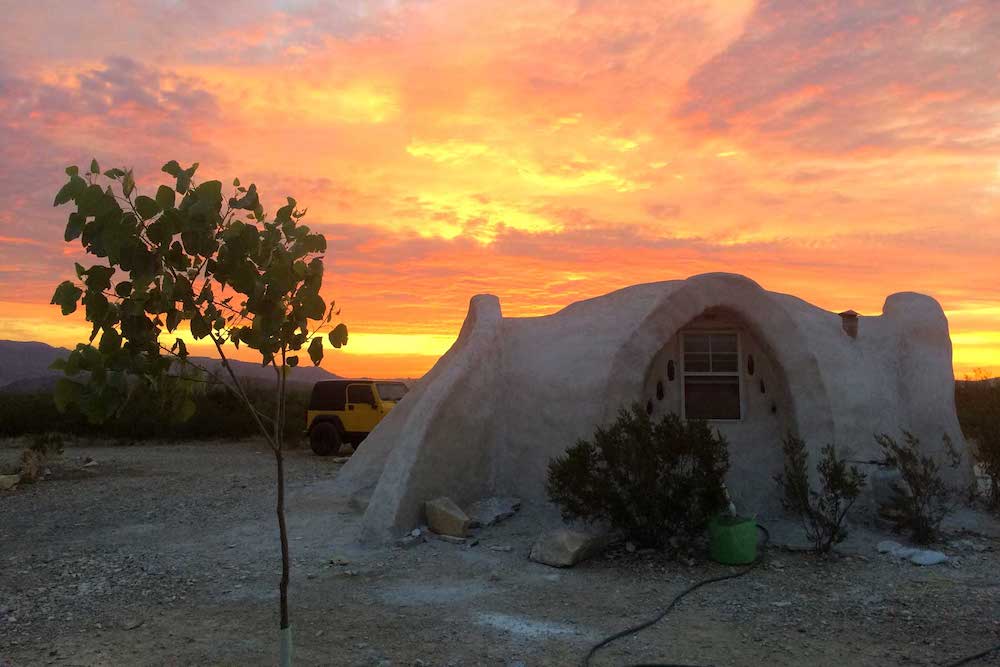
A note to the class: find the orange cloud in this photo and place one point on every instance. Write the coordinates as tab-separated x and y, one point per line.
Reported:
545	151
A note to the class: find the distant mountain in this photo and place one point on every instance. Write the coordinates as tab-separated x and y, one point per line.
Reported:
24	368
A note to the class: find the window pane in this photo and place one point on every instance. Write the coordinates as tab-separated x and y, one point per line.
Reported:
360	393
724	359
696	353
709	397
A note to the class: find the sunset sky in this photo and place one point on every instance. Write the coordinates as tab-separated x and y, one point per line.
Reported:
542	151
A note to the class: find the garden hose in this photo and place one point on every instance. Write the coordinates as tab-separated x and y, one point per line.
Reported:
673	603
704	582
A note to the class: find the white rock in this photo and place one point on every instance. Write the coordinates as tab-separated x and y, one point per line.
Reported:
8	482
927	557
444	517
564	547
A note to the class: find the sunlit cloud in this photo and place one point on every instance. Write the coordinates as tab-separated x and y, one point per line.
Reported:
545	152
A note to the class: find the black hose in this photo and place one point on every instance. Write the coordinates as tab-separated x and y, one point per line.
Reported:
673	603
972	658
704	582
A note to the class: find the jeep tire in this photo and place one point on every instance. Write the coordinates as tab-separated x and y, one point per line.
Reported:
324	438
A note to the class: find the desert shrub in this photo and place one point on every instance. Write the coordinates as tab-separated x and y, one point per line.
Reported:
978	402
218	415
921	499
824	512
652	481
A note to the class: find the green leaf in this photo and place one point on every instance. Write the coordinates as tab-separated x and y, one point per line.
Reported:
123	289
66	295
313	306
173	319
292	361
72	171
172	168
181	347
74	226
199	327
66	393
338	337
72	189
316	350
236	182
146	207
114	174
128	183
183	182
165	197
94	168
110	341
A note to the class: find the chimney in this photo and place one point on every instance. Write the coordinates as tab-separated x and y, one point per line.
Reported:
849	320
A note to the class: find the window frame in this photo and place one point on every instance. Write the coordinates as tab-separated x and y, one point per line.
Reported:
738	373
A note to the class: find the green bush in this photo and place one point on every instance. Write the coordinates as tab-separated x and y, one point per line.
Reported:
920	499
218	415
978	403
824	512
652	481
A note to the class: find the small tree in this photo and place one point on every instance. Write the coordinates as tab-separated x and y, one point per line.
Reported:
823	513
188	258
650	480
921	499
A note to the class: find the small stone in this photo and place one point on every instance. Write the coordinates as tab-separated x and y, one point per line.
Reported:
504	548
564	547
450	539
340	459
927	557
8	482
132	623
446	518
630	547
339	560
88	463
415	532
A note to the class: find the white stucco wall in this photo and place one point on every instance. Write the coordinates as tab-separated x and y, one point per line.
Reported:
512	393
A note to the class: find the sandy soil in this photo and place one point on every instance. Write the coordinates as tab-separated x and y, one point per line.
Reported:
167	555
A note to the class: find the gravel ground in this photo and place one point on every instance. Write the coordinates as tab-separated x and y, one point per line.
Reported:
167	555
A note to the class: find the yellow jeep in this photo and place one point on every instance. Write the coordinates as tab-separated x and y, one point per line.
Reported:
347	410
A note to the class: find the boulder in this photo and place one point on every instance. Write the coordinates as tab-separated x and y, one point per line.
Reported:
493	510
9	481
444	517
565	547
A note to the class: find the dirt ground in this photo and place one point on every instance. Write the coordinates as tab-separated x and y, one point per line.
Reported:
167	555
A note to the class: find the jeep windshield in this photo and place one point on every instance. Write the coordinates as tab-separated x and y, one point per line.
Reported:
391	391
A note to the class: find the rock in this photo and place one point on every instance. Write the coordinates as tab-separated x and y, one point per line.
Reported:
339	560
504	549
915	556
564	547
132	623
8	482
927	557
493	510
88	463
410	540
416	532
446	518
630	547
450	539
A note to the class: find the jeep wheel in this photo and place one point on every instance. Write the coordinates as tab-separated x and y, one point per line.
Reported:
324	439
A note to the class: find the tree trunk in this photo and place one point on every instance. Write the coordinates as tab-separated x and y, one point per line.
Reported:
286	632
